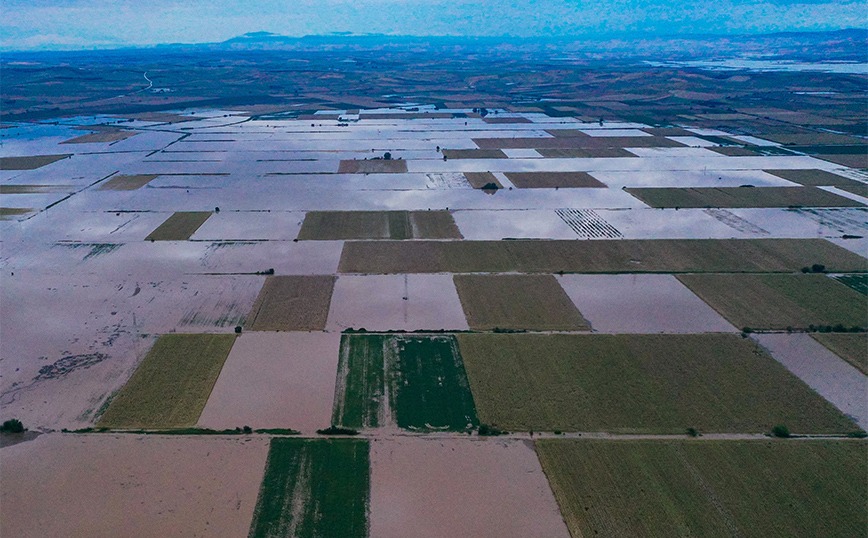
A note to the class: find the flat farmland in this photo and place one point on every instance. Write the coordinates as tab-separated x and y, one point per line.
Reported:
101	136
128	183
597	256
7	213
414	382
292	303
551	180
581	142
852	347
474	154
334	225
180	226
31	162
479	180
584	153
171	385
34	189
638	384
314	487
373	166
533	302
813	178
737	197
709	488
776	301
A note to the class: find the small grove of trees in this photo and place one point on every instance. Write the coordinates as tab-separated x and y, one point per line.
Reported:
12	425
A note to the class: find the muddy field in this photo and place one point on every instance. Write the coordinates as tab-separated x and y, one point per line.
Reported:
292	303
624	383
710	488
661	197
517	302
180	226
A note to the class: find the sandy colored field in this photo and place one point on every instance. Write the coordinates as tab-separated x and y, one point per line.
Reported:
180	226
481	179
292	303
101	136
852	347
314	488
7	213
127	183
634	256
130	485
780	301
34	189
377	166
661	197
581	142
550	180
30	163
496	121
638	383
395	302
276	380
849	160
709	488
474	154
534	302
641	304
587	153
813	178
429	488
332	225
412	382
171	385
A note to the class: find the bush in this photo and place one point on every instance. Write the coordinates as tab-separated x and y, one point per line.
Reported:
13	425
335	430
248	429
238	329
818	268
485	429
490	187
781	431
692	432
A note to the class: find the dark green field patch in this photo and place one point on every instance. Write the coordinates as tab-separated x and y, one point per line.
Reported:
735	197
416	382
314	487
857	282
180	226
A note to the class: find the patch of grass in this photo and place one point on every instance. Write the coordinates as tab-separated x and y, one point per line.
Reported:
127	183
813	178
596	256
474	154
550	180
314	487
857	282
7	213
780	301
35	189
417	382
373	166
709	488
30	163
336	225
180	226
852	347
292	303
535	302
171	385
638	384
662	197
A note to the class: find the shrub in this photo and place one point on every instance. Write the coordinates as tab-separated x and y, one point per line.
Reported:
818	268
781	431
692	432
13	425
490	187
336	430
238	329
247	429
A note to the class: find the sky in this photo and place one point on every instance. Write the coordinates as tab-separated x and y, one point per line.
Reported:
85	24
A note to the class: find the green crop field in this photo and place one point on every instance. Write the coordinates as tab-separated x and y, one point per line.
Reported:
857	282
314	487
597	256
170	387
534	302
661	197
292	303
712	489
852	347
417	382
334	225
180	226
638	384
780	301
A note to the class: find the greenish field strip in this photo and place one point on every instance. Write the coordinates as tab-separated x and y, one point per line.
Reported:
314	488
415	382
813	178
550	180
127	183
712	489
597	256
180	226
532	302
478	180
31	162
170	387
337	225
856	282
738	197
852	347
34	189
638	384
777	301
474	154
7	213
292	303
101	136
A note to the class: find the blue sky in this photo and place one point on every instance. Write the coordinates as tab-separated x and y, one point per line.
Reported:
76	24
